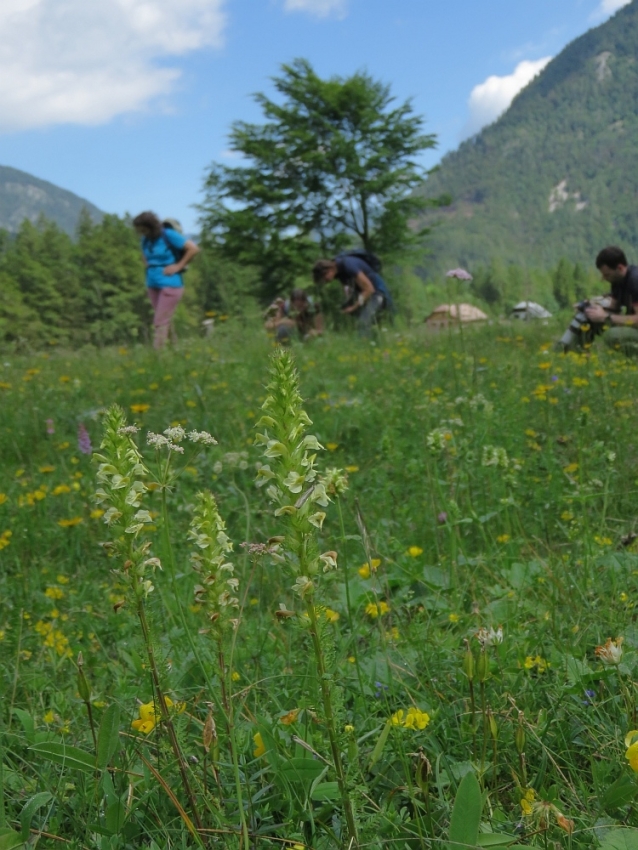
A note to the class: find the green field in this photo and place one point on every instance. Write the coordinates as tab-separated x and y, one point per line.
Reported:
492	485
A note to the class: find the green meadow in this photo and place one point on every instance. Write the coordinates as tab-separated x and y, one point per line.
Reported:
423	635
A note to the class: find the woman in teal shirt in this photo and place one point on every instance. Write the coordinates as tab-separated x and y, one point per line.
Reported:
166	254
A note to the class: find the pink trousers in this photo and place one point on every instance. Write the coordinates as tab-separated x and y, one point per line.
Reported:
164	301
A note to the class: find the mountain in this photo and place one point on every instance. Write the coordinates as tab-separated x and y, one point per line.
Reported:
555	176
24	196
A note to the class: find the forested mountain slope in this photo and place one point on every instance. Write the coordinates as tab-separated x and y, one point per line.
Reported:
557	174
23	196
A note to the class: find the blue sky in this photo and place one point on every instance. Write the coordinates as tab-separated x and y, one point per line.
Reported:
126	102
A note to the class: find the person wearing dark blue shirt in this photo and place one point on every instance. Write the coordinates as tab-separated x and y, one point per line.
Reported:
166	253
366	292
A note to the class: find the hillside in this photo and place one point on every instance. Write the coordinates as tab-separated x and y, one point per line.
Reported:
24	196
557	174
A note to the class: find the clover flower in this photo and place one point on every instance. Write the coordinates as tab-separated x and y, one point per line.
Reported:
611	652
489	637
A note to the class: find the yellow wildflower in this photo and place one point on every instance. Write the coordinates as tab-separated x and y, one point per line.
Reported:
415	551
46	469
414	718
366	569
69	523
54	593
376	609
139	408
60	490
260	748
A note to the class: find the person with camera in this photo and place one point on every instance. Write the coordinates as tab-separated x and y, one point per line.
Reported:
365	291
605	313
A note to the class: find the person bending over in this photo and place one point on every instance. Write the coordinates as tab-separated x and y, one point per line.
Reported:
297	313
605	314
166	253
366	293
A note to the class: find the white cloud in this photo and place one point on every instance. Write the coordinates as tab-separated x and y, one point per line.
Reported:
608	7
490	99
85	61
319	8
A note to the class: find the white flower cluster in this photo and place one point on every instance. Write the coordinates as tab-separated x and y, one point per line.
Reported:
489	637
438	439
172	437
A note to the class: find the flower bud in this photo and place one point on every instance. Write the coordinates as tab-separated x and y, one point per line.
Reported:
83	686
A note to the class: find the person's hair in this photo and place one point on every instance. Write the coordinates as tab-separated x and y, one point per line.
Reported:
151	222
299	295
612	257
320	268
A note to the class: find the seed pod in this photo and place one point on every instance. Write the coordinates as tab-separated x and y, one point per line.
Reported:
468	662
482	666
210	731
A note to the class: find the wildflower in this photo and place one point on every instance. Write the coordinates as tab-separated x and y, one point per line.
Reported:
332	447
489	637
611	652
50	426
235	676
330	561
60	490
3	498
150	715
5	539
202	437
84	441
503	538
331	616
631	742
69	523
570	468
139	408
289	718
54	593
495	456
218	583
441	518
47	469
96	514
302	586
352	469
415	551
260	748
376	609
414	718
365	570
536	662
526	802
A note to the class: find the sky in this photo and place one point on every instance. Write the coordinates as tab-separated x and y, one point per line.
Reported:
128	102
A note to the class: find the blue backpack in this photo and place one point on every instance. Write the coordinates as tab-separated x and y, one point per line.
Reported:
367	256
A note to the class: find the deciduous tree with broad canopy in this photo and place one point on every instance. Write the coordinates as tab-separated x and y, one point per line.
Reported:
334	164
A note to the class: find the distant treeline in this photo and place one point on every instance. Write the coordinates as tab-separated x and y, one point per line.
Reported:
55	290
90	290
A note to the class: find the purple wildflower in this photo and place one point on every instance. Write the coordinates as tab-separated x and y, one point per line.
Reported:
459	274
442	518
84	441
50	426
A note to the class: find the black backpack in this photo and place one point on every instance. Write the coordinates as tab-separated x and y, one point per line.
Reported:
367	256
177	253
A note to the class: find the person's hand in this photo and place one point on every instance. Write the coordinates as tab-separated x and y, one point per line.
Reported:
172	269
595	313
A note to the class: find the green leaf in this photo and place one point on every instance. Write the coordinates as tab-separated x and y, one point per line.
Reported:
301	770
381	742
115	817
67	756
30	808
496	839
620	793
10	839
466	814
325	791
108	736
27	722
620	839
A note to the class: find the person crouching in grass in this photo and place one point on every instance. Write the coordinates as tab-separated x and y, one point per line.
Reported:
299	313
605	314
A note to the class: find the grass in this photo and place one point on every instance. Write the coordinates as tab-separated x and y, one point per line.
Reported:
492	483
